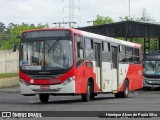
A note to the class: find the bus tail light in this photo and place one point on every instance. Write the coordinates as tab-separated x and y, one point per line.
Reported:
69	80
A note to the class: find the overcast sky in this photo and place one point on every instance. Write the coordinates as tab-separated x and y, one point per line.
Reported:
49	11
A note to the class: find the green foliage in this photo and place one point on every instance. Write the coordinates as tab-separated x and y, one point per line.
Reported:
2	75
6	45
2	27
126	18
15	30
143	17
102	20
4	34
139	41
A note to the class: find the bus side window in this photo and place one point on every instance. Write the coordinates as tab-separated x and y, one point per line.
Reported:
79	50
122	54
89	51
129	54
136	56
106	54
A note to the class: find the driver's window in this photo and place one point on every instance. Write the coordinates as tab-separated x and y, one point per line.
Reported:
79	50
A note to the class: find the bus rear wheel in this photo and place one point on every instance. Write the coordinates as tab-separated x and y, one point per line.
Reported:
125	92
44	98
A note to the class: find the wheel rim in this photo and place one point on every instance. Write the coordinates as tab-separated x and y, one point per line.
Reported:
126	90
88	90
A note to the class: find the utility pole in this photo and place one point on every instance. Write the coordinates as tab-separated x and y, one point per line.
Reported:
70	23
91	22
129	8
71	6
59	23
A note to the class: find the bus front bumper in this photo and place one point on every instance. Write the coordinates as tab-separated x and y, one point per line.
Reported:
68	88
151	83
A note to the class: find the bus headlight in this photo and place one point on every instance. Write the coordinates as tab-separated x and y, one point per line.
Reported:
69	80
24	82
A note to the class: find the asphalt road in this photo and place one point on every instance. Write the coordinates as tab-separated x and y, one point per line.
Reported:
11	100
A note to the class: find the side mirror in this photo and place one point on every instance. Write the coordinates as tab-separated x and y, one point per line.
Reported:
17	36
14	47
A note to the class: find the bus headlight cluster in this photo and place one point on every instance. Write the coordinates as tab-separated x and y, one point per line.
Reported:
150	81
24	82
69	80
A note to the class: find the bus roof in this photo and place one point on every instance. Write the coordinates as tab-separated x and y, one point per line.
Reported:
91	35
110	39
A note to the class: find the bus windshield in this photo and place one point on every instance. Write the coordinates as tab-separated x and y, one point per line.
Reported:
151	67
46	55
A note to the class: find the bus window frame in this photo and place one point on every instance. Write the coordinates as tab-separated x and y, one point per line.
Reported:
81	44
89	49
106	52
136	56
122	53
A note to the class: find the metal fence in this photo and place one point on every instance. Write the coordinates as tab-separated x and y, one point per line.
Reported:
9	62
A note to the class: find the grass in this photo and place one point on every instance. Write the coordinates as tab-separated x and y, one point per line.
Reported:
3	75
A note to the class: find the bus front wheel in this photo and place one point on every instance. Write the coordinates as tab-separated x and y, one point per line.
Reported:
44	98
86	97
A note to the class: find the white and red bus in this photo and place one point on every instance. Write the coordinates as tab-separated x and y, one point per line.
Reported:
63	61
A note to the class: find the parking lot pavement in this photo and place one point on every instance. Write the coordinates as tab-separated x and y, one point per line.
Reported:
143	100
11	89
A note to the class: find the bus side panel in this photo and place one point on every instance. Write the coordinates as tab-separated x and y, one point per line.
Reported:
83	73
135	77
138	76
123	68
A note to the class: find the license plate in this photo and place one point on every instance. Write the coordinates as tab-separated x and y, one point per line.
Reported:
45	87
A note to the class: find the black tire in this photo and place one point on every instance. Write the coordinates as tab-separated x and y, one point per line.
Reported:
86	97
118	95
44	98
92	97
125	93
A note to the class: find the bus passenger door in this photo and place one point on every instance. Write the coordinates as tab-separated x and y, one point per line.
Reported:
97	64
115	67
106	71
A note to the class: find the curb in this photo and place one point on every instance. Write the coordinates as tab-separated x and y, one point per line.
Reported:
10	90
9	82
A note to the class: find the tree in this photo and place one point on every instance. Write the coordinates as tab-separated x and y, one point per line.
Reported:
4	34
102	20
144	17
2	27
15	30
125	18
